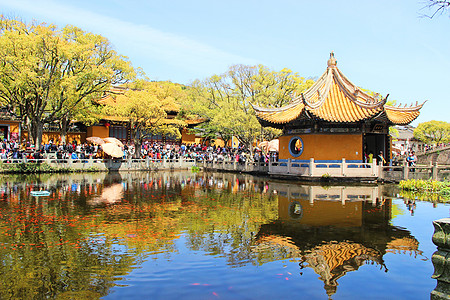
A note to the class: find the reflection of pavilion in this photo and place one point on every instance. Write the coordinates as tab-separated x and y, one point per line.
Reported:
333	230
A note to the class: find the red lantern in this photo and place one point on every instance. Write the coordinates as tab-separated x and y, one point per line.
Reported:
107	125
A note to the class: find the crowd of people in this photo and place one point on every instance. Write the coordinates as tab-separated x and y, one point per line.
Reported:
152	150
427	147
199	152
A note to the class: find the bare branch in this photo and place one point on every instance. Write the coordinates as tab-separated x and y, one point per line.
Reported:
438	7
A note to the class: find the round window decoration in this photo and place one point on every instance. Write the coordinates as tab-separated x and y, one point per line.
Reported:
295	210
296	146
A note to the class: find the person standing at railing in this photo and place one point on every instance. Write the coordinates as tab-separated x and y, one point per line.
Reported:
412	160
370	157
256	156
381	159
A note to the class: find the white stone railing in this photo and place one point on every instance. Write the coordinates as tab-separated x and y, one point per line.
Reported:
309	168
314	168
424	172
233	166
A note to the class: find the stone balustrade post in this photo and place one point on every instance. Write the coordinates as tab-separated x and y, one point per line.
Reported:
311	167
434	171
441	259
343	168
405	171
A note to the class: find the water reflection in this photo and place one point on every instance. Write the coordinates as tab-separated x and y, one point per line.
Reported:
334	230
95	229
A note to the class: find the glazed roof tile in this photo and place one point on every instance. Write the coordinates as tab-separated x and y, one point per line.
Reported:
402	116
334	98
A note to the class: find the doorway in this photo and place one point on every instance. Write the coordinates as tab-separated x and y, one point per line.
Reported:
374	143
4	132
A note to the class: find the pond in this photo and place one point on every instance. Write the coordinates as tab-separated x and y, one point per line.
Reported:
185	235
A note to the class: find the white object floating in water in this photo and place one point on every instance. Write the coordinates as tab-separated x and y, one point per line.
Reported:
40	193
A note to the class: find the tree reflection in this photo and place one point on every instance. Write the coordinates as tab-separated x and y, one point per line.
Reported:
94	229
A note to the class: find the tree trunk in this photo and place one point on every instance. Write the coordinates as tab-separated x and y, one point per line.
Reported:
63	126
36	131
137	148
136	141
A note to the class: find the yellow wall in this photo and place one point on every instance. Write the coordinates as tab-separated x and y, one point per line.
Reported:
188	138
13	126
13	130
100	131
324	213
80	137
325	146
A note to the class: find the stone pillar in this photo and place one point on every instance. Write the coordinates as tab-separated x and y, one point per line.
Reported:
311	167
441	259
375	169
289	165
405	171
343	168
434	171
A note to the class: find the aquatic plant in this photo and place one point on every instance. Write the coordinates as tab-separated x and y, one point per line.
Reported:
423	185
425	189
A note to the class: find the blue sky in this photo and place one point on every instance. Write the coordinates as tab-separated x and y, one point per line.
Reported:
384	45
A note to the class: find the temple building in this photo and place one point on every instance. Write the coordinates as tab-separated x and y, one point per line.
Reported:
334	120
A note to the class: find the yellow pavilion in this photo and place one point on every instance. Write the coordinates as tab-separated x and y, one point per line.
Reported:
334	120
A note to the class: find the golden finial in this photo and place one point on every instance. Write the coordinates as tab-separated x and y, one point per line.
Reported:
332	61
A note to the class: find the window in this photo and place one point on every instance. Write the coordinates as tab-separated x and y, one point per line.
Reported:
119	132
296	146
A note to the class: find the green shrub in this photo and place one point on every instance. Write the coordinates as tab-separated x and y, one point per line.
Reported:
32	168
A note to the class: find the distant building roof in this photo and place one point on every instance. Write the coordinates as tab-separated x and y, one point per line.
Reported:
5	115
405	132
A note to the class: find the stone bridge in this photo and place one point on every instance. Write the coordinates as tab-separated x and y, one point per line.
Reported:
440	155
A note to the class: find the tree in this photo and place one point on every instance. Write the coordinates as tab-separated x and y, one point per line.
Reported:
225	100
433	132
145	107
393	132
47	74
437	7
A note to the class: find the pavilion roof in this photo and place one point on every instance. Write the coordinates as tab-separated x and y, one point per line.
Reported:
336	99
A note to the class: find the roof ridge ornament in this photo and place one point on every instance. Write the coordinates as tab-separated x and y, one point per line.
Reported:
332	62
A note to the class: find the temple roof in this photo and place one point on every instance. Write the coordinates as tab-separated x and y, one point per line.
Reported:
335	99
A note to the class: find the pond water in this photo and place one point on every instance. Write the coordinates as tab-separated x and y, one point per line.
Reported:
184	235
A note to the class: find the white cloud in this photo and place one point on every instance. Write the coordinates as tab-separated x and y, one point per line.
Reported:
140	39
